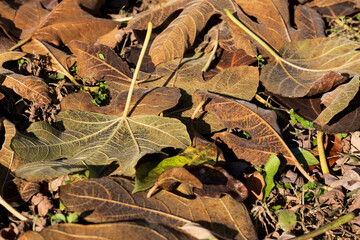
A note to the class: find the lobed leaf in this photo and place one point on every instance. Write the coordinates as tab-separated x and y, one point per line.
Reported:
86	140
310	67
110	199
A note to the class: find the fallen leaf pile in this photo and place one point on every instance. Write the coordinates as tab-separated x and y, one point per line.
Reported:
220	129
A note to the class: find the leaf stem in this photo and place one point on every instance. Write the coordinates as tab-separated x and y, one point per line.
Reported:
12	210
336	223
125	19
19	44
253	35
211	57
322	156
137	69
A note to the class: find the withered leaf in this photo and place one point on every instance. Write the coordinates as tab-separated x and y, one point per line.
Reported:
181	33
335	8
216	182
86	140
8	159
143	101
18	191
273	22
30	87
111	69
109	231
14	190
113	201
148	172
340	102
310	108
264	140
239	81
310	67
175	175
68	21
227	60
41	48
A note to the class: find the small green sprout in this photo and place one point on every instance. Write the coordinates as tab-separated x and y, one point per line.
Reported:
101	56
297	119
260	60
60	217
21	62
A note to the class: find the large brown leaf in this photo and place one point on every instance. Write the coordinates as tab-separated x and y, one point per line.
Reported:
260	124
68	21
309	108
227	59
110	199
274	24
30	87
15	191
181	33
340	102
310	67
240	82
335	8
110	231
111	69
43	49
143	101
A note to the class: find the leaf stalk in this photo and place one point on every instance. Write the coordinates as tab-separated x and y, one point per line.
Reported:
12	210
336	223
253	35
321	150
137	69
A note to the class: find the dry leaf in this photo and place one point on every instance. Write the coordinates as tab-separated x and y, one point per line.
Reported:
86	140
38	47
310	67
340	102
29	87
42	203
225	217
110	231
107	67
227	60
335	8
259	123
310	108
68	21
273	22
144	101
181	33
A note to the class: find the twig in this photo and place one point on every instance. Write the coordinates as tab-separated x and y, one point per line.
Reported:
212	55
321	150
12	210
334	224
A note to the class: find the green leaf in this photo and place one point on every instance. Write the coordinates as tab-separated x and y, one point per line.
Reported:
271	168
304	157
287	220
101	56
340	102
342	135
86	140
72	218
148	172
